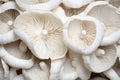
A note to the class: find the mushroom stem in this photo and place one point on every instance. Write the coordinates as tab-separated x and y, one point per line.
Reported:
44	34
61	14
111	74
100	52
55	68
6	69
18	63
82	72
12	73
84	32
22	47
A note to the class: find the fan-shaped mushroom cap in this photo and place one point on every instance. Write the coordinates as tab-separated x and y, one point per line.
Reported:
100	10
99	63
38	4
42	33
11	52
83	34
76	3
68	72
8	13
37	72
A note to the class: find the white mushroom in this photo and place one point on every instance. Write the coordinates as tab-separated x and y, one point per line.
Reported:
56	66
78	64
8	13
102	59
67	71
38	4
83	34
11	52
76	3
100	10
42	33
37	72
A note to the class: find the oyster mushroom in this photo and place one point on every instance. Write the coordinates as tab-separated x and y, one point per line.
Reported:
77	62
76	3
83	34
102	59
67	71
42	33
100	10
38	4
8	13
56	66
11	52
37	72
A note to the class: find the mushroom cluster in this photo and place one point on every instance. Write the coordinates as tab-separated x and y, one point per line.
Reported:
59	39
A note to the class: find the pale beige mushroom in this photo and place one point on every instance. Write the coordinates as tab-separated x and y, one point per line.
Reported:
102	59
11	52
42	33
38	4
8	13
100	10
83	34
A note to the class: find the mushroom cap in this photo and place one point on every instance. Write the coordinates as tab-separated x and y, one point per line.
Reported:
38	4
76	3
8	13
101	63
83	34
100	10
42	33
